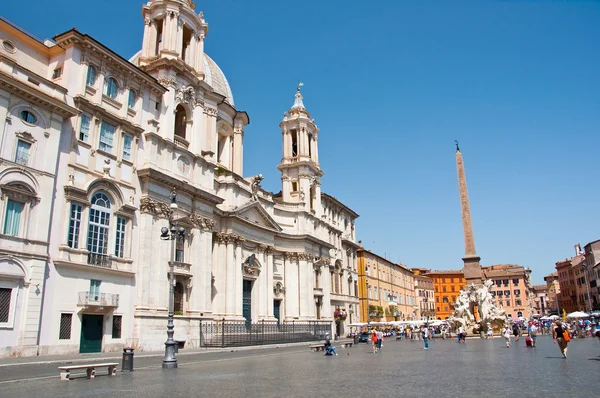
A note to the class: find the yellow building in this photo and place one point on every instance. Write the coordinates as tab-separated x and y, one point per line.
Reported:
386	289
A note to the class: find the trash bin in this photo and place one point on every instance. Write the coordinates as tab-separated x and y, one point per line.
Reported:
356	339
127	365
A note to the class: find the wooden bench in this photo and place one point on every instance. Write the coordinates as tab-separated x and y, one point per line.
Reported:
317	347
347	343
65	371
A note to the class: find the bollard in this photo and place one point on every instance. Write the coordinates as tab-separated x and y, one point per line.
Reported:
127	364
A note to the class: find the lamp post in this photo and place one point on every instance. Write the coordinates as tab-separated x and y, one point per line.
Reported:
172	233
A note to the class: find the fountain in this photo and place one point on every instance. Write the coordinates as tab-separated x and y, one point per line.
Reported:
475	299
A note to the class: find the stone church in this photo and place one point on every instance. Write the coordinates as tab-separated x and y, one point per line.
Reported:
129	139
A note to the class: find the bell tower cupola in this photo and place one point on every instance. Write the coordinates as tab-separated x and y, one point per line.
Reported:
173	30
300	170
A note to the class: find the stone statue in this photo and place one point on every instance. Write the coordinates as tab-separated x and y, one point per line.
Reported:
477	298
256	186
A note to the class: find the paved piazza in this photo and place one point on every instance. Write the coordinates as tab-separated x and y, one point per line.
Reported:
447	369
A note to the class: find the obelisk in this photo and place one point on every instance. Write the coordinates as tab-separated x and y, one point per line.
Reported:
472	268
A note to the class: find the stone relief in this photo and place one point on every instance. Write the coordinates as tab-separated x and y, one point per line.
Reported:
153	206
186	95
278	289
477	298
205	224
251	267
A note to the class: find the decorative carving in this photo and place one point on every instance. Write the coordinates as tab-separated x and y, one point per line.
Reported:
168	82
303	256
239	240
153	206
106	168
205	224
278	289
238	129
270	250
187	95
287	256
200	102
148	21
209	110
251	267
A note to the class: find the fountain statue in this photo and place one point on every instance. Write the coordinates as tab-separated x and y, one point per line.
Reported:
476	299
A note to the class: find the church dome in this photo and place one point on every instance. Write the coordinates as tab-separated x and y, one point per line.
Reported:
213	75
217	80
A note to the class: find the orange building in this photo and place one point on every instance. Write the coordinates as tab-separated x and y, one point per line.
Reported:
447	285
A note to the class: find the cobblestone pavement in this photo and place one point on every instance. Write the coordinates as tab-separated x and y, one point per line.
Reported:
402	368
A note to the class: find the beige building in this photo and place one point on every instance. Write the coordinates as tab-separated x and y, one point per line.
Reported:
512	290
424	293
540	300
553	287
386	289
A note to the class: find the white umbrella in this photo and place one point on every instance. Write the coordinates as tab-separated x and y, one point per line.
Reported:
545	318
577	314
553	317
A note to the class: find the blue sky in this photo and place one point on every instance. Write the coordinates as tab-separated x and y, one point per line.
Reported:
391	86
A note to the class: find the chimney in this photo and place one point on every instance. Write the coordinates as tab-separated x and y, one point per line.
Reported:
577	249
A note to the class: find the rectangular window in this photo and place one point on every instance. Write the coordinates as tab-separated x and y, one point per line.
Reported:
95	289
22	155
515	281
12	220
507	293
116	326
120	243
518	302
74	225
180	250
107	135
57	73
84	128
517	292
499	292
5	299
65	326
505	282
498	283
127	139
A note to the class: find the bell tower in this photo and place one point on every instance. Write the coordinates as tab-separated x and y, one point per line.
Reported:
300	170
173	31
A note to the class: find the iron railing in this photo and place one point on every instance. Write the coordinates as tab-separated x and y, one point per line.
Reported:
100	260
100	299
237	334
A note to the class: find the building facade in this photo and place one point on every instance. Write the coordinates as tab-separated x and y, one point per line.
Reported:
591	265
386	289
553	288
512	290
132	136
425	296
33	108
447	285
540	300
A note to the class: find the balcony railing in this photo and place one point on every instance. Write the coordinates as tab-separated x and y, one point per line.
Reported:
100	299
181	142
318	291
99	260
182	268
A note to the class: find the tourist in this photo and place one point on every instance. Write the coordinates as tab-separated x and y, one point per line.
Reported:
329	349
379	340
516	329
506	334
459	333
374	340
533	333
560	334
426	337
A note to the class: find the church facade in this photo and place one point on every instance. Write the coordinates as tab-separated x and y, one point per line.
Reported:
144	133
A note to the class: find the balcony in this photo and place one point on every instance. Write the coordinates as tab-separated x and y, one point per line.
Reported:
181	142
318	291
99	260
98	300
183	269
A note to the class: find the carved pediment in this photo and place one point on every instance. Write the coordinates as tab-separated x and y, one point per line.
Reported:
255	214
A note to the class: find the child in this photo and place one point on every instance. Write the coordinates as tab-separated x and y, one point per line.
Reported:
506	333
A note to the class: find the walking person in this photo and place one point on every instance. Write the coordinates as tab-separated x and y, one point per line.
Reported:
374	340
516	329
426	337
560	334
379	340
533	333
506	335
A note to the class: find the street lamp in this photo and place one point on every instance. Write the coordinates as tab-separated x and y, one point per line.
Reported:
172	233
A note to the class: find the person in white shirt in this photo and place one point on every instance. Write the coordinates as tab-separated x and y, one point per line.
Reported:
426	337
533	333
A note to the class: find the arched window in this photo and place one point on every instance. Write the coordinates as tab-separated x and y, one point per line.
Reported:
91	76
112	88
132	98
99	225
180	121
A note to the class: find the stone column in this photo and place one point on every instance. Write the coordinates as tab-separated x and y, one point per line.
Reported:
210	112
198	65
148	42
310	283
219	271
239	277
230	289
304	295
179	38
291	286
326	278
238	137
316	149
262	283
195	301
269	285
